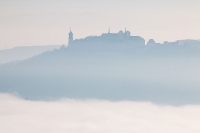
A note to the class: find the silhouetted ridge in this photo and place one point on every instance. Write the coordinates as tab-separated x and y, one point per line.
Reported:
164	74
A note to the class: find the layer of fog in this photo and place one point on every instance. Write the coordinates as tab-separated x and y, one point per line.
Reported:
89	116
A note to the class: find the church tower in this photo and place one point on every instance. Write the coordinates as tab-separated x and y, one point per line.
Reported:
70	37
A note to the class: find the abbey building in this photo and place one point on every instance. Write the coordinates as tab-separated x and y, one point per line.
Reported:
110	38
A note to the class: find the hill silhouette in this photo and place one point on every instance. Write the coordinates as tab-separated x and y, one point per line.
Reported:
23	52
163	74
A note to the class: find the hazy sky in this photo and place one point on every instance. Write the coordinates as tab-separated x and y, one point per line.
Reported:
45	22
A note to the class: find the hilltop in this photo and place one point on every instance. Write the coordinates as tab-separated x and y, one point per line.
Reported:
23	52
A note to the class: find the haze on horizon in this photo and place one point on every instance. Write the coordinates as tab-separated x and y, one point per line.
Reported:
28	23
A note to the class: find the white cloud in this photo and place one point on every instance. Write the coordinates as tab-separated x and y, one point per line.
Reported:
89	116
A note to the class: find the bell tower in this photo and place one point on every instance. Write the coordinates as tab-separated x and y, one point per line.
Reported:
70	37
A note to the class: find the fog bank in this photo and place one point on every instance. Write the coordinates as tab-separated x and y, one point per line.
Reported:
99	116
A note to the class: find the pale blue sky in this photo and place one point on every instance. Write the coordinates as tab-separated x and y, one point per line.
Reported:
47	22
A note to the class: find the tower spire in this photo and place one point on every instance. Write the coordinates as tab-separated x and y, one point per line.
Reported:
70	37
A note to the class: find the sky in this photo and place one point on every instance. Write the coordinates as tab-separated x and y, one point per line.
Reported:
94	116
47	22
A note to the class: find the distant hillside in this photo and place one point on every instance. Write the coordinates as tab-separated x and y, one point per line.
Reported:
24	52
163	74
